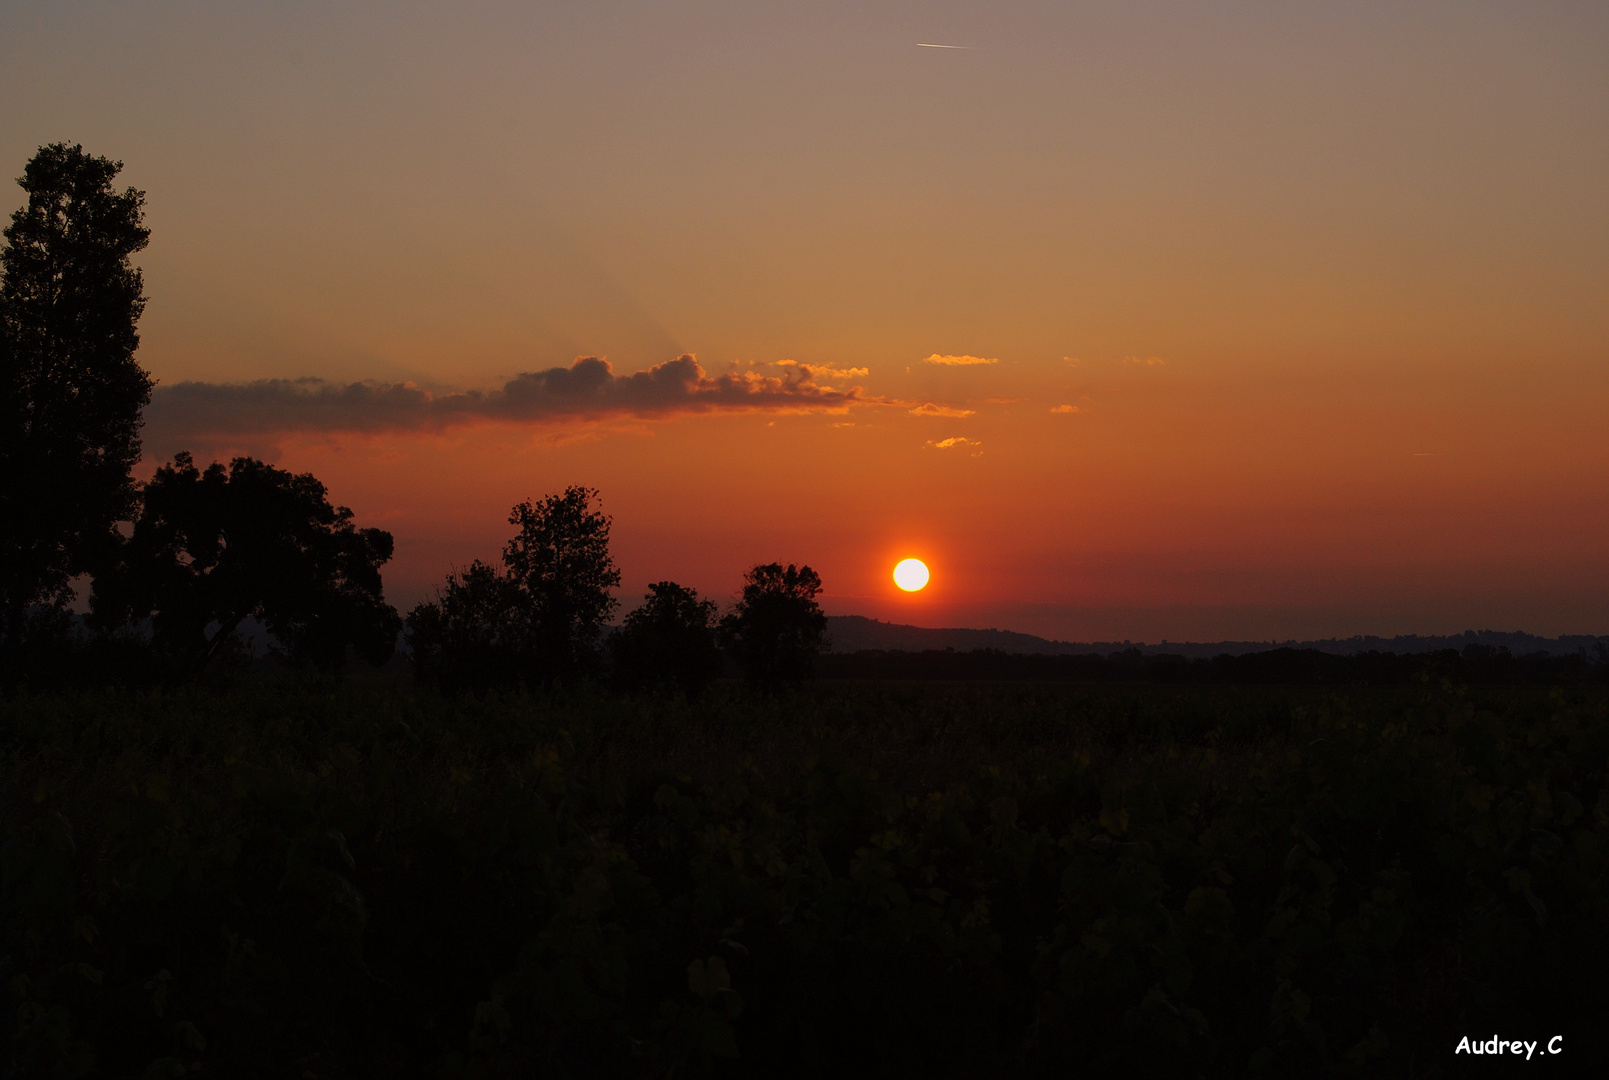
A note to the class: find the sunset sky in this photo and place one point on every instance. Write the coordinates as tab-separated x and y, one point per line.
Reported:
1134	320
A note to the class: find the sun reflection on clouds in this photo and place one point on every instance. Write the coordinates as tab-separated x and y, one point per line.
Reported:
957	442
817	372
960	361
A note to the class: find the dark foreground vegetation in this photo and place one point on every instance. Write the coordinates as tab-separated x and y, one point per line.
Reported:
1473	665
292	879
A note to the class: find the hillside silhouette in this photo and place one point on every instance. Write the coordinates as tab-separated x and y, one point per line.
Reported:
857	633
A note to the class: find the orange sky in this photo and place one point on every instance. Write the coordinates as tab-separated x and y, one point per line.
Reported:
1326	289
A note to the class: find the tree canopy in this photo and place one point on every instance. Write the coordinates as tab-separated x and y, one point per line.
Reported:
539	620
560	562
777	629
470	637
212	548
668	641
71	392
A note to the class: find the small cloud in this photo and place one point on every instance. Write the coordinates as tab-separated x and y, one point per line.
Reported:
1066	409
1146	361
931	409
826	371
847	423
959	361
1070	361
1000	400
958	443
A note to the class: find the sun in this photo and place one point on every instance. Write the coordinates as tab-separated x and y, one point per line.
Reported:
911	575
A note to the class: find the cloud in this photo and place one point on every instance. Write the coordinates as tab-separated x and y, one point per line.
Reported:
957	443
959	361
1147	361
587	388
1066	409
818	372
931	409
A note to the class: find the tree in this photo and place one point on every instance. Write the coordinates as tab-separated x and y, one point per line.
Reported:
777	629
212	548
540	619
71	392
560	562
470	636
669	641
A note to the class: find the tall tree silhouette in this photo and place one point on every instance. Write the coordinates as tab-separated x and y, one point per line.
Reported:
669	641
777	629
71	392
213	547
560	562
541	618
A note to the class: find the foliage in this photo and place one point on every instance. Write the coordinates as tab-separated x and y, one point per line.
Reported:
212	547
668	641
540	620
469	637
561	564
777	629
70	390
1008	881
1475	665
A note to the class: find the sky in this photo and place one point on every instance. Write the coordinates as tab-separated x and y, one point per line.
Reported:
1136	321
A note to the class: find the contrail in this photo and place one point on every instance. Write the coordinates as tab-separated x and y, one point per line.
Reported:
925	45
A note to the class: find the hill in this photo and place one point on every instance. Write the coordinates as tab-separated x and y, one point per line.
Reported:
856	633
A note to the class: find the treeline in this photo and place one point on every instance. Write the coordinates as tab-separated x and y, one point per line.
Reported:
1475	665
540	618
178	564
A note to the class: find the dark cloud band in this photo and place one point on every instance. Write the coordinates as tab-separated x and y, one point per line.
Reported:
587	388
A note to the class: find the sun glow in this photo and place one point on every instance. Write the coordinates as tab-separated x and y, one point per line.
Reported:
911	575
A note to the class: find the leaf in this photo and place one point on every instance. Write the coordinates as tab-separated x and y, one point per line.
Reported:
190	1036
707	978
1115	822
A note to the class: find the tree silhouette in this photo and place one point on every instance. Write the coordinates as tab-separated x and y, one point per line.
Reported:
71	392
669	641
539	620
471	636
560	562
777	628
212	548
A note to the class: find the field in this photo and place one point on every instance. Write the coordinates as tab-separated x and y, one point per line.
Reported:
283	878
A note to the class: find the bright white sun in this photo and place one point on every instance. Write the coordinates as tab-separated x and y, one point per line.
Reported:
911	574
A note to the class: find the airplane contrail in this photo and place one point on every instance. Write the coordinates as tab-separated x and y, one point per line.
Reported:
925	45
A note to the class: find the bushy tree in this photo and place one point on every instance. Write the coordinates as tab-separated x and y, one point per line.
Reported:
471	636
669	641
560	562
212	548
71	392
546	611
777	629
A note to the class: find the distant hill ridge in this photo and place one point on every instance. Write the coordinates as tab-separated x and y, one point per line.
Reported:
855	633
